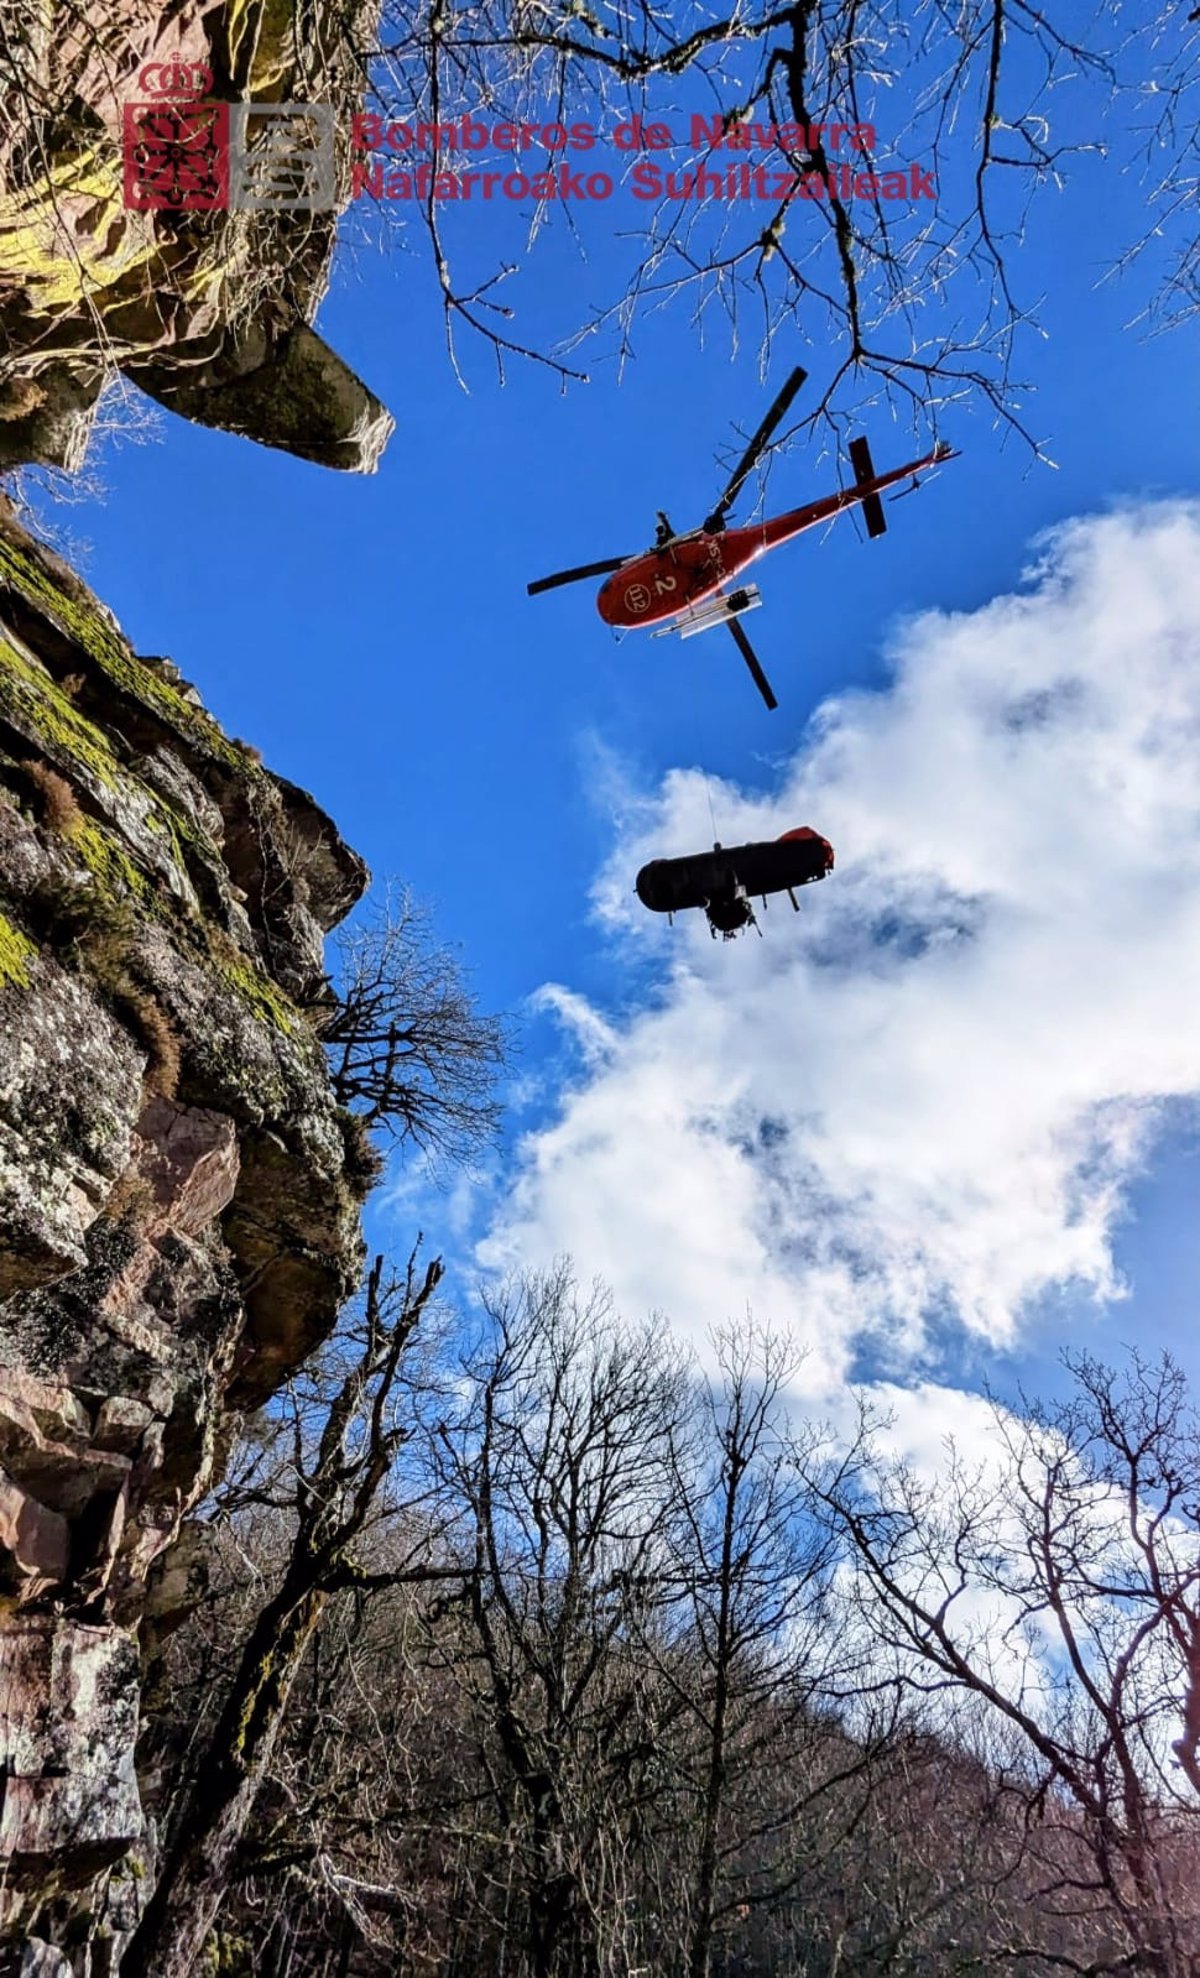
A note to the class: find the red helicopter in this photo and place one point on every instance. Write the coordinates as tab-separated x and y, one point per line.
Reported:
682	583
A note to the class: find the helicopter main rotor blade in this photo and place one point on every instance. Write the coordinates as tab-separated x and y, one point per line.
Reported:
756	448
751	658
573	576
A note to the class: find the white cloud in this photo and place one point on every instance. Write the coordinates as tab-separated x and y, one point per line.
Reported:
923	1098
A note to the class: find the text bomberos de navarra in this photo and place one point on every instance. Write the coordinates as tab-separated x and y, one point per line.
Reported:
378	178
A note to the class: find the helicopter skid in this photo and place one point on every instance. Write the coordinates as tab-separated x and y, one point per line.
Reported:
718	611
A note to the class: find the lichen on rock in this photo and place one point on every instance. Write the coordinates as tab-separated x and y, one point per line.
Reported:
179	1224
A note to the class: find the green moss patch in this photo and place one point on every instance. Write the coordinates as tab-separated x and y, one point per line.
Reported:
39	706
16	952
110	865
266	1000
86	625
35	698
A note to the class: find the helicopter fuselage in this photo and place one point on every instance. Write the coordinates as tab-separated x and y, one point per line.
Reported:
659	584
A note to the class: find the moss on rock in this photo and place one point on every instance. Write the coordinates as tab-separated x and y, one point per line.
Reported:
113	870
16	952
32	695
254	986
81	620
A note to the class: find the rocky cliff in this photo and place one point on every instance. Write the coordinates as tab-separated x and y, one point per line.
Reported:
178	1195
207	311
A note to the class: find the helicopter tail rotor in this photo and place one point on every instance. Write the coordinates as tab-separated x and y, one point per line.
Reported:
864	470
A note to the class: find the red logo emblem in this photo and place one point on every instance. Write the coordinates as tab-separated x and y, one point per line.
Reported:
176	146
637	598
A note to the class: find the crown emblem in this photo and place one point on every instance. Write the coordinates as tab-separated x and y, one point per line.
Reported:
176	78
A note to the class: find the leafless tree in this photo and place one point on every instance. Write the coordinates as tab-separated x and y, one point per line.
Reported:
1059	1586
331	1489
409	1053
561	1464
644	1721
918	299
752	1570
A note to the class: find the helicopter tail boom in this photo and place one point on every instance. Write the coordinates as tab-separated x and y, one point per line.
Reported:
781	528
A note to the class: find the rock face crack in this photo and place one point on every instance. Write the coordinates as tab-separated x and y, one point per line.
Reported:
177	1225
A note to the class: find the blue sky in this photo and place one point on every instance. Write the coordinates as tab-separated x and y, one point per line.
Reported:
374	639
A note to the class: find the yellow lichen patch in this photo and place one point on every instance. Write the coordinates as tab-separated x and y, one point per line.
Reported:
26	574
241	22
69	234
261	33
16	953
